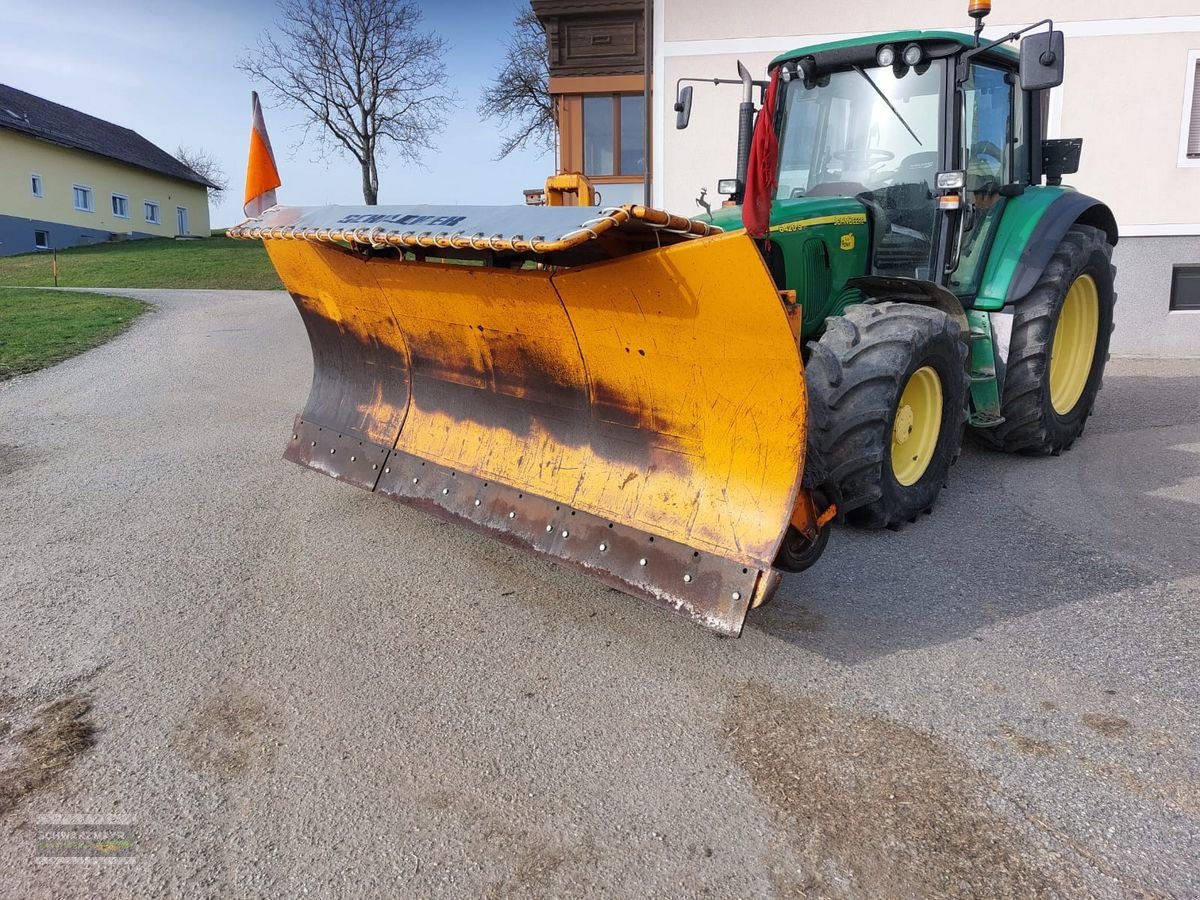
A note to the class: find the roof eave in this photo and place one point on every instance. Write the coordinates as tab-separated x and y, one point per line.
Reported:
197	180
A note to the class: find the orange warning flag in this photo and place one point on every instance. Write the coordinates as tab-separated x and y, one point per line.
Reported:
261	175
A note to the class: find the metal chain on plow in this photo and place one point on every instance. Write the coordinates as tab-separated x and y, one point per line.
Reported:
380	236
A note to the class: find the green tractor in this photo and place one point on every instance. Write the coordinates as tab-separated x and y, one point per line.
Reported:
947	277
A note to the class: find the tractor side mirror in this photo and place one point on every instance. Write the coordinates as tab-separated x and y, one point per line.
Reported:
1042	61
683	107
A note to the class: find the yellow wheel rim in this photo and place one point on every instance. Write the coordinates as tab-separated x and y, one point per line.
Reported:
917	425
1074	346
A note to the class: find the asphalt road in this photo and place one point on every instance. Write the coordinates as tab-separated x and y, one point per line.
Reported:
290	687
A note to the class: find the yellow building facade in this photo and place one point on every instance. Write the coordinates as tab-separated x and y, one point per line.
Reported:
54	196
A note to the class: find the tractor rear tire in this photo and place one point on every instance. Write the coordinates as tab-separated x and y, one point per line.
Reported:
887	451
1045	408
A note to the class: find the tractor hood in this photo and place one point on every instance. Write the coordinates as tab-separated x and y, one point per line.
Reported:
817	244
796	214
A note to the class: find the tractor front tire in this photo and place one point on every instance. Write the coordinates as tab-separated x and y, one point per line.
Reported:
797	553
887	387
1058	349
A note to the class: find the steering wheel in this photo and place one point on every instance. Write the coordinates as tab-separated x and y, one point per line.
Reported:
987	148
872	158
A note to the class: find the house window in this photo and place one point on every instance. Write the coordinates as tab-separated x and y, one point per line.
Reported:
41	240
120	204
614	134
1189	138
598	136
151	212
631	147
1185	288
83	198
35	182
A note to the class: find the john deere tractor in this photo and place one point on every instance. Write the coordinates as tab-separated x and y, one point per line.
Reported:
680	407
945	273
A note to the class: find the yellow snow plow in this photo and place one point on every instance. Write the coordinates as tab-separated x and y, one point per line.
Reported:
617	389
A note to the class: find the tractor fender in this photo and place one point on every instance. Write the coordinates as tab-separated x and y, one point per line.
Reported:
1030	231
914	290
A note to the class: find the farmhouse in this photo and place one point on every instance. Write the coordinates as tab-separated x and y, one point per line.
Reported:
67	178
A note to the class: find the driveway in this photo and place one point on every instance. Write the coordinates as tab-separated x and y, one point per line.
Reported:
282	686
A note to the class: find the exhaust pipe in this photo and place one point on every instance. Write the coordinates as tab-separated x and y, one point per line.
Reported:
745	130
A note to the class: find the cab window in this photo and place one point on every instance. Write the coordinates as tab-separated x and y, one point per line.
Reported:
987	149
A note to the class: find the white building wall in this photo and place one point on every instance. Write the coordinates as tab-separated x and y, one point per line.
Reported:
703	20
1125	89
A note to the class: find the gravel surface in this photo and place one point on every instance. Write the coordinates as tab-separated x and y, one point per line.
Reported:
288	686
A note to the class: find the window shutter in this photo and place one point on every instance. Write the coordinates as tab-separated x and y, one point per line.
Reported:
1193	147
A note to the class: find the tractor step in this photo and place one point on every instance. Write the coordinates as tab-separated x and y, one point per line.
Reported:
981	373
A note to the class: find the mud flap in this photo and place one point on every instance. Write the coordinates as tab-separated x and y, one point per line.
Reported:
642	419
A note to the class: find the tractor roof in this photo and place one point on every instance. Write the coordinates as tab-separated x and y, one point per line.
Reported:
891	37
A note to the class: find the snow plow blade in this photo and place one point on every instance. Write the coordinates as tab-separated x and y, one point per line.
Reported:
622	392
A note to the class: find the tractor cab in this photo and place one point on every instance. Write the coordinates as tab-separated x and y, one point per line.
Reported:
877	122
929	134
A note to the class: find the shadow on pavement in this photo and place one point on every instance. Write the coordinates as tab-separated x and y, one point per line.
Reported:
1014	535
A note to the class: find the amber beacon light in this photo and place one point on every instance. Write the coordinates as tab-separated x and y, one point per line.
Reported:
978	10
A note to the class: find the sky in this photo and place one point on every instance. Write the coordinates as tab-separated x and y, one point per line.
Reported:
165	68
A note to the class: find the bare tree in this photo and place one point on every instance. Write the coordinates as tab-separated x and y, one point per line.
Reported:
206	166
363	72
519	97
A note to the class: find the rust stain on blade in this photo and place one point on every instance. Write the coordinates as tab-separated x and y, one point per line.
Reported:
584	388
708	589
698	370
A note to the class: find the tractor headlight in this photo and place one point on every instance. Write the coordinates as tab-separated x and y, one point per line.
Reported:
951	181
886	55
913	54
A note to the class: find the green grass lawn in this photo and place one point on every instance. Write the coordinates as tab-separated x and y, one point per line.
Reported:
215	262
40	328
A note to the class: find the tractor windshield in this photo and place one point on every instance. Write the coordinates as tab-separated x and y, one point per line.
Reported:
872	134
859	130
